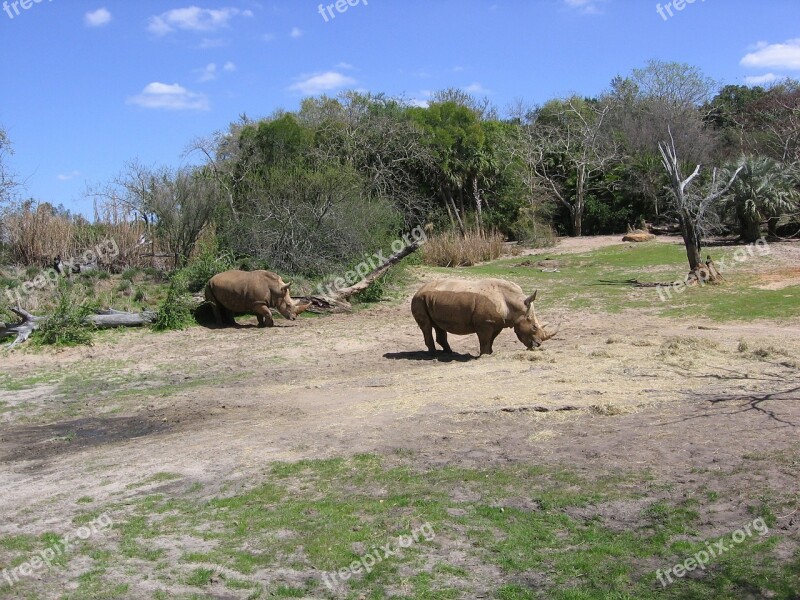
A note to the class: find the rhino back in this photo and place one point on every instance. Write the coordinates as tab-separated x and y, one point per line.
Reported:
241	291
458	306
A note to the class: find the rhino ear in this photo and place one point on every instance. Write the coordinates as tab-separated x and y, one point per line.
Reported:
286	287
529	300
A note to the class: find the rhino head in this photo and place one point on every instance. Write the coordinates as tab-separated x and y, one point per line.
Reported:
288	307
528	329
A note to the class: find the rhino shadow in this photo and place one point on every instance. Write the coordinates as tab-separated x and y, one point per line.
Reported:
425	355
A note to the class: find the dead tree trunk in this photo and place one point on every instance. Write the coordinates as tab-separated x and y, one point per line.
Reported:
692	208
102	320
339	300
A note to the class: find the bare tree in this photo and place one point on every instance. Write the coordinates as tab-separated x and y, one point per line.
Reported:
176	205
7	179
696	210
569	145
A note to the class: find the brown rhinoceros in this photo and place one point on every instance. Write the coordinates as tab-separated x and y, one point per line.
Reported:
485	307
255	292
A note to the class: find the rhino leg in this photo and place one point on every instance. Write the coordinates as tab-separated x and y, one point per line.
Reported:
423	319
486	337
441	339
264	315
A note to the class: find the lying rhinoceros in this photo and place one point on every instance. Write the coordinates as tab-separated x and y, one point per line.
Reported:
485	307
255	292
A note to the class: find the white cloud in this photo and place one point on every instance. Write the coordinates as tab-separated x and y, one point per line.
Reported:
344	65
268	37
419	103
296	32
208	73
476	88
169	97
68	176
776	56
229	66
97	18
211	43
761	79
321	82
193	18
586	7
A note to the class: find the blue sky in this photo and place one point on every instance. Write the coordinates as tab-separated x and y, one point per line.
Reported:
87	86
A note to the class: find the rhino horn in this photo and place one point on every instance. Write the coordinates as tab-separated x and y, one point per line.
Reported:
549	336
301	308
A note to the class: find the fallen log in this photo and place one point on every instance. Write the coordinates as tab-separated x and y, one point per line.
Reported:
107	319
23	329
339	299
104	319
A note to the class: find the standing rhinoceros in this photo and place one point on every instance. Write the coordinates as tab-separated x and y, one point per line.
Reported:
255	292
485	307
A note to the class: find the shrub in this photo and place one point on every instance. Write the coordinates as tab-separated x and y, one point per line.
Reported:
130	273
67	325
175	312
451	249
374	293
204	266
529	229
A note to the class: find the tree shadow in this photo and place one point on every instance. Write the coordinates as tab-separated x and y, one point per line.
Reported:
765	403
426	356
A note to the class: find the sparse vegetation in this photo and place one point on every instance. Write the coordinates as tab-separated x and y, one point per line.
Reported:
451	249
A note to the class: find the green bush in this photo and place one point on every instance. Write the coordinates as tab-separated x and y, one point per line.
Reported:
204	266
374	293
175	311
532	230
67	325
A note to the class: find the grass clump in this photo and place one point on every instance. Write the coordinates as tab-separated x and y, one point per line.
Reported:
67	326
451	249
175	312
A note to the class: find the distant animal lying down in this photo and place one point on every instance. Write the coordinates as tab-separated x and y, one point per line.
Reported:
255	292
484	307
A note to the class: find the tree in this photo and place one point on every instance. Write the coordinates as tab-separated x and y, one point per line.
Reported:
457	140
571	151
375	135
695	209
7	180
176	205
661	96
764	190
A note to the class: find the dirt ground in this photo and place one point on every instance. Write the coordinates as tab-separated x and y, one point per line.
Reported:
629	390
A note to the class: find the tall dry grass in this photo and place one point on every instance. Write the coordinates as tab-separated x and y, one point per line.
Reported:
451	249
34	234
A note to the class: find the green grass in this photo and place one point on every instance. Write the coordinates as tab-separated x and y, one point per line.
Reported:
598	281
523	523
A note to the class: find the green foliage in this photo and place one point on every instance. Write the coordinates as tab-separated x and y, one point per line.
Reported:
374	293
175	312
208	262
533	230
67	325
